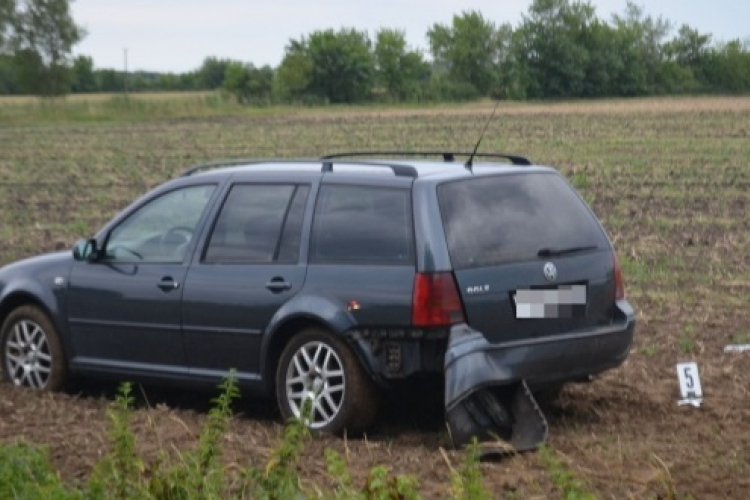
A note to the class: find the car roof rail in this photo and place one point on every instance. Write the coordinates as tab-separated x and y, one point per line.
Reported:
448	156
219	164
398	170
326	165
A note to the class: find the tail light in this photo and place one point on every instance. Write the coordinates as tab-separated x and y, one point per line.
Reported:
436	301
619	281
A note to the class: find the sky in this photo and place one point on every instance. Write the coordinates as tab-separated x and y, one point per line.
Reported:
177	35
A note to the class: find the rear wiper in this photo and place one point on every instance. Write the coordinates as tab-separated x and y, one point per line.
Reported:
550	252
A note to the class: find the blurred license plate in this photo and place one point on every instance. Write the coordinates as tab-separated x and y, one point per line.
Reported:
566	301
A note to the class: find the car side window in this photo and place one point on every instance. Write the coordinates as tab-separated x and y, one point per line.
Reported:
362	224
292	235
259	223
162	229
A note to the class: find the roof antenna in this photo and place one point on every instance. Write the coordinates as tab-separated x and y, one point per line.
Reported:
470	162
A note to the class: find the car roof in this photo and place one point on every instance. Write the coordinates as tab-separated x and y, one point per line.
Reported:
416	168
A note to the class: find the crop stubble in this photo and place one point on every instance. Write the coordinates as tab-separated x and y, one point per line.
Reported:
668	178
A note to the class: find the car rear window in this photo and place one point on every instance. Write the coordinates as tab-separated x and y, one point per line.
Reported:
362	224
504	218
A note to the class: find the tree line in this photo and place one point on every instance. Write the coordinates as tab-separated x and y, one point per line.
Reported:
560	49
36	40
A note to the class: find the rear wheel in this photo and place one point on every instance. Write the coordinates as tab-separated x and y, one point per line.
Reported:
318	367
30	350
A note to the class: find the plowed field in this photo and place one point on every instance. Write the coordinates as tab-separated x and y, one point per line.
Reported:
670	179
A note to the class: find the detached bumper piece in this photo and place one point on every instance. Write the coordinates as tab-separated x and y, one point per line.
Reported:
503	424
483	401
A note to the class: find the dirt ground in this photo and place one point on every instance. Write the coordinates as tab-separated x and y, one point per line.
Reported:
670	180
650	445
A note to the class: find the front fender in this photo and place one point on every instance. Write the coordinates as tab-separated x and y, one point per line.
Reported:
51	298
324	311
42	280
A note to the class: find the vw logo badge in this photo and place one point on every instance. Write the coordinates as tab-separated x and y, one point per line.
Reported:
550	271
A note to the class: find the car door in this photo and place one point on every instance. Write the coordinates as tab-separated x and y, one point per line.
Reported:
124	306
248	270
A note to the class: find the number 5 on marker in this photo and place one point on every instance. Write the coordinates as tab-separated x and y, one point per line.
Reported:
690	382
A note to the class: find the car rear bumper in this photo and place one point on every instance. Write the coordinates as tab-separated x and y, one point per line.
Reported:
471	362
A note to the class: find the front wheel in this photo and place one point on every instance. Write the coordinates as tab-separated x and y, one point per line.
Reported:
318	367
30	350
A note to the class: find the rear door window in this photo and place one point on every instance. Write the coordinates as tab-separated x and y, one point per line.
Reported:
362	224
259	223
505	218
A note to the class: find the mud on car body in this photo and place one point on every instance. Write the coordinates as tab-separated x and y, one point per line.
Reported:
327	280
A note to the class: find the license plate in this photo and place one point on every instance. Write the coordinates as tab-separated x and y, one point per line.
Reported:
566	301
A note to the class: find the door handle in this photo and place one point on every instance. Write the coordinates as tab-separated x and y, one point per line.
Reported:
168	284
278	284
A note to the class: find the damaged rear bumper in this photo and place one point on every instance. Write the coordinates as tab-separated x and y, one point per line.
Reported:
488	387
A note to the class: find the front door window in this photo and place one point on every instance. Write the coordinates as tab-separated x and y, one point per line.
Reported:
162	229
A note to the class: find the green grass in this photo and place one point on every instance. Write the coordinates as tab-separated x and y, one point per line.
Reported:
570	486
650	349
686	340
148	107
26	473
119	108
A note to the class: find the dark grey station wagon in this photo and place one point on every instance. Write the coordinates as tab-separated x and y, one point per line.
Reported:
325	280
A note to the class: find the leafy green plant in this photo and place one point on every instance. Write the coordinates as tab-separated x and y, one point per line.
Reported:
280	480
571	487
338	470
122	474
26	473
208	470
686	341
466	482
685	344
118	475
199	473
380	484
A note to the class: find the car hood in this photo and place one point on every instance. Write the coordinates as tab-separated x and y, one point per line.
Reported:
39	269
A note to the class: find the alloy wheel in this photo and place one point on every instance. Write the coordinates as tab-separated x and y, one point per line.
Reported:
316	374
28	357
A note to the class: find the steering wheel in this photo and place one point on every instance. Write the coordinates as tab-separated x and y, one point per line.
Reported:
174	242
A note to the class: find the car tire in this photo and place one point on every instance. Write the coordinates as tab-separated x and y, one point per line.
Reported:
31	354
316	362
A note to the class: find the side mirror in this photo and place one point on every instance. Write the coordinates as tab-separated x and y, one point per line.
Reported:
85	250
